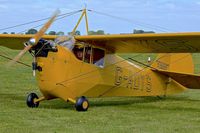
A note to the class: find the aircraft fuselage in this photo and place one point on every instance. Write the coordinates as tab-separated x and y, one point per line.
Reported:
64	76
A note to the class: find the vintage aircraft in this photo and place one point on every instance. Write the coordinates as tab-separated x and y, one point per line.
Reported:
75	67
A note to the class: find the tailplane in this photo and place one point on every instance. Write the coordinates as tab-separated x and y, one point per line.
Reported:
179	67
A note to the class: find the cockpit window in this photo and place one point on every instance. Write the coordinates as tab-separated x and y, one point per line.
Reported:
78	52
98	57
89	54
83	52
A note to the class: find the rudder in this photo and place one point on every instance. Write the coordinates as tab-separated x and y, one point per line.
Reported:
177	62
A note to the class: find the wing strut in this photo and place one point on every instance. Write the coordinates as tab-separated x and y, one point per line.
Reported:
84	13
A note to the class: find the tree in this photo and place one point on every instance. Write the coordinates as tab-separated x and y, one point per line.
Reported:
91	32
60	33
141	31
98	32
31	31
12	33
52	33
138	31
5	32
77	32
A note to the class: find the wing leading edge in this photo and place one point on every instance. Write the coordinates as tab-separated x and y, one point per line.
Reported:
146	43
16	41
124	43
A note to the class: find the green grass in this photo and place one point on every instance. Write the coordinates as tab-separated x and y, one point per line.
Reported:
179	113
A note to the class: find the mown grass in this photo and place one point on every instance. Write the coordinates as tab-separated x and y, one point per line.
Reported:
179	113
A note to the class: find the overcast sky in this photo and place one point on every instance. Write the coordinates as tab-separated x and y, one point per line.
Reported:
171	15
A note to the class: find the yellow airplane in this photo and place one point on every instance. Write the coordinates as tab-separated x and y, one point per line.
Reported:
75	67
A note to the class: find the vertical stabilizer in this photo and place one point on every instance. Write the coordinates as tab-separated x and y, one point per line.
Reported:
177	62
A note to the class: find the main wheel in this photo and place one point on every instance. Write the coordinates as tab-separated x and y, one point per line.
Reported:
82	104
30	100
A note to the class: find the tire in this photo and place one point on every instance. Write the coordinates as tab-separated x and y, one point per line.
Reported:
30	100
82	104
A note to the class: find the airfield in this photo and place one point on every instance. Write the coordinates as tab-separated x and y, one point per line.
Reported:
177	114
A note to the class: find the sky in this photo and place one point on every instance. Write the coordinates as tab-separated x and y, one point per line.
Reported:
154	15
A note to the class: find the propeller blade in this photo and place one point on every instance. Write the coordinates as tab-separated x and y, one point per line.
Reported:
17	58
33	41
42	31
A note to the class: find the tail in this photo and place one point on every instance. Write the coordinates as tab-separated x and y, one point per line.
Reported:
177	62
179	67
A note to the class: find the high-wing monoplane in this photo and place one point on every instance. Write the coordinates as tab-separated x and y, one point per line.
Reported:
75	67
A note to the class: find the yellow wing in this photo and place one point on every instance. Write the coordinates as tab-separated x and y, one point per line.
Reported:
124	43
15	41
146	43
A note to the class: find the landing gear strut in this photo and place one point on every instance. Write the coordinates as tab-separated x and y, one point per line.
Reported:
82	104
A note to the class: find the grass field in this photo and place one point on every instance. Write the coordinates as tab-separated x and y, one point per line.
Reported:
175	114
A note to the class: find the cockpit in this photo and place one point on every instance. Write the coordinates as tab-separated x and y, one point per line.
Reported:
83	52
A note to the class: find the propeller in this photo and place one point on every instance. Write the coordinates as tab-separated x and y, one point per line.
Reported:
33	41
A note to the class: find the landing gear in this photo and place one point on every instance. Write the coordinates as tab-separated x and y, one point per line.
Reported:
82	104
30	101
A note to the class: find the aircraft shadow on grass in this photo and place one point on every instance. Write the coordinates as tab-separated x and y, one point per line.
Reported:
118	101
98	103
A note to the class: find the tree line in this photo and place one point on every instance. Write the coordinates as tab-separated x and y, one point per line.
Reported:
98	32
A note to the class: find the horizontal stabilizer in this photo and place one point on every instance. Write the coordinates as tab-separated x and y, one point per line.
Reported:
191	81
